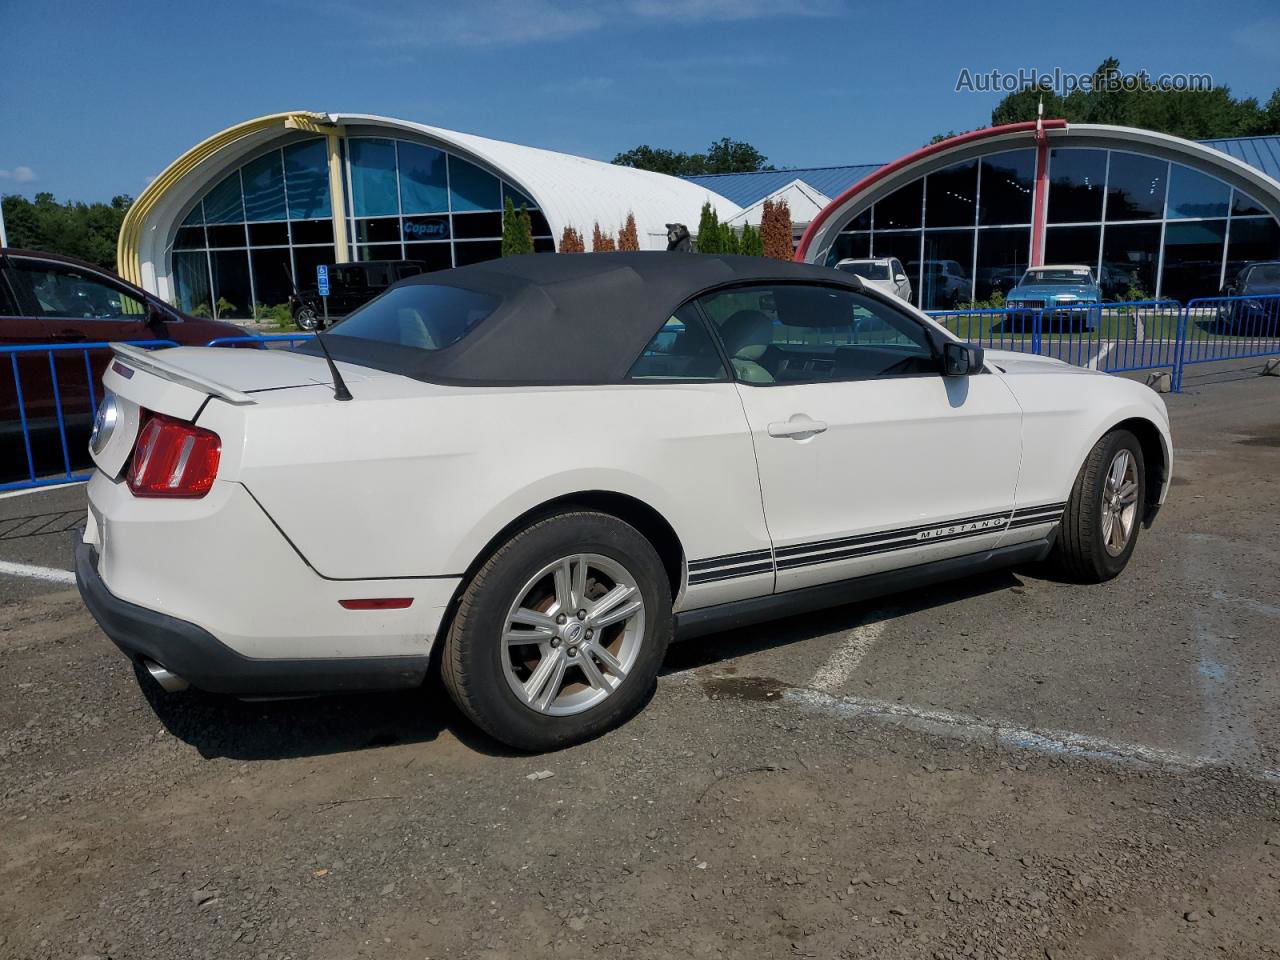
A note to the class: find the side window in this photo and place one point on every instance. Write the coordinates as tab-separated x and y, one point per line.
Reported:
8	307
681	350
55	290
797	333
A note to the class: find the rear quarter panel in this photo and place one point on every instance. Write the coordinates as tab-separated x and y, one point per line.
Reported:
418	485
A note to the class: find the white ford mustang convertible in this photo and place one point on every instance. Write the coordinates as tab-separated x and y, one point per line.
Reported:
541	469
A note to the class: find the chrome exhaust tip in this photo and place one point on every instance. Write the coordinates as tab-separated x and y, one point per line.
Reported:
170	681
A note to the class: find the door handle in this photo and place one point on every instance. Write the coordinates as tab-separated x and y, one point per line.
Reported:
70	335
799	427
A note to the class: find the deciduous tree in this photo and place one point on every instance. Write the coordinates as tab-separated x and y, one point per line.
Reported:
84	230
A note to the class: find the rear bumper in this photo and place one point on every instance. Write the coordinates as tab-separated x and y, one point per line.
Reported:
207	663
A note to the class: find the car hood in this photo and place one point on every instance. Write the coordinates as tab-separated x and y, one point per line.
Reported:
1011	361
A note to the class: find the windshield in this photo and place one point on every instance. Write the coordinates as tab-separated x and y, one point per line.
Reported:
1056	276
424	316
867	269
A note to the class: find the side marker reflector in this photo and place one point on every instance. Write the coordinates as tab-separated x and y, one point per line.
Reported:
378	603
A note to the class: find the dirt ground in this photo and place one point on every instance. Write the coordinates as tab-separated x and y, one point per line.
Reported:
1006	767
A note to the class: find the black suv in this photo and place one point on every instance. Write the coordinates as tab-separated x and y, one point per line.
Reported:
351	285
1260	317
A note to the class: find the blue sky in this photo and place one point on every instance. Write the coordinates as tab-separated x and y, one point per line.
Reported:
98	97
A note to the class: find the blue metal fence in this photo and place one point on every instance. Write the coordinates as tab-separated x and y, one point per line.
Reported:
1115	337
1228	328
62	396
49	391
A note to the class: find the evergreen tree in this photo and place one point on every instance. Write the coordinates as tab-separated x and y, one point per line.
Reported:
775	230
602	242
571	241
729	241
709	239
629	236
750	243
517	230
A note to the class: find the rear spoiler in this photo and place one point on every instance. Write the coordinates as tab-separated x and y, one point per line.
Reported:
151	361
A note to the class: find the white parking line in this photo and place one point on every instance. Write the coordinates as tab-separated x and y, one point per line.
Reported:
1056	742
30	490
1096	362
841	664
49	574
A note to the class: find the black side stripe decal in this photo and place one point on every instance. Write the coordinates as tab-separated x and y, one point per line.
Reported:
755	562
882	535
730	559
711	576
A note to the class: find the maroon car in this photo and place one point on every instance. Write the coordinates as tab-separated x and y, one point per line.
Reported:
49	299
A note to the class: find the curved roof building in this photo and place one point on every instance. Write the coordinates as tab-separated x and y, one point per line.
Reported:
1153	215
232	222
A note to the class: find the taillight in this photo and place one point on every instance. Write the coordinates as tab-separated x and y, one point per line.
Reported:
173	459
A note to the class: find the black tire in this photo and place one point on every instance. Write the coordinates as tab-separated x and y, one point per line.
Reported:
306	318
472	661
1080	551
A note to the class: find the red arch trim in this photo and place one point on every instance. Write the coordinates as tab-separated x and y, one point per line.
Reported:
1028	126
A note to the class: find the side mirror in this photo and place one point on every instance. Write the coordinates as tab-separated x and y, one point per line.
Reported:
156	318
900	278
961	359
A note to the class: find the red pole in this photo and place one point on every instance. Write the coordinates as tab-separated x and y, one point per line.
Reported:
1040	209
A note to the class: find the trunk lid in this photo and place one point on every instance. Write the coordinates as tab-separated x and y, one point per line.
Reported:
178	382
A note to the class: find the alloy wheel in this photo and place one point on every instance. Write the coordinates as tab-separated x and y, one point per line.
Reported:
572	634
1120	502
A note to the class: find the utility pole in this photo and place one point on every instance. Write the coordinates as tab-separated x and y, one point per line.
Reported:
4	237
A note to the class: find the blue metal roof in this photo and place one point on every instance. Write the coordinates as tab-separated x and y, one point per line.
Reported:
745	189
1262	153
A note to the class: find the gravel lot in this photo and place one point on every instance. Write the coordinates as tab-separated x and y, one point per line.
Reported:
1007	767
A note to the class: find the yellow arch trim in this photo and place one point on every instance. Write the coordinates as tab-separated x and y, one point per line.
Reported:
127	260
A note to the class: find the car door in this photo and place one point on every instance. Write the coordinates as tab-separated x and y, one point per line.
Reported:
869	458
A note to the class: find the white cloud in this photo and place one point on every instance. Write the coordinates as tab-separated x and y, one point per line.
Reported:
694	10
18	174
493	23
476	24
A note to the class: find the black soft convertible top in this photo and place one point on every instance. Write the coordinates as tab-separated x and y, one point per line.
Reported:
569	318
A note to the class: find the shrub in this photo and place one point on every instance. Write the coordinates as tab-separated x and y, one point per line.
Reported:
280	315
602	242
629	236
750	243
571	241
775	230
